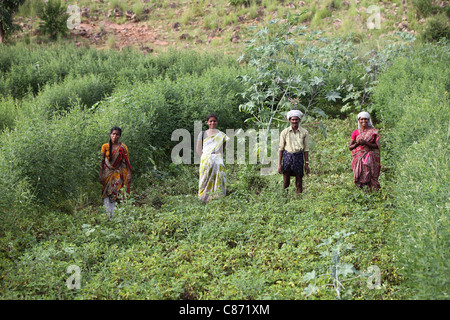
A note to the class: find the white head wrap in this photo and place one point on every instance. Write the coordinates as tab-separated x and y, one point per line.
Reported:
365	115
294	113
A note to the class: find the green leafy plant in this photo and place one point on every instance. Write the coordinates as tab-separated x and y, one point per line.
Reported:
338	270
54	19
425	7
280	79
411	97
7	10
436	28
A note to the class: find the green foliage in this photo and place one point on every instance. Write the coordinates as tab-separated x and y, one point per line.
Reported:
52	161
412	98
316	78
424	7
240	2
54	18
85	90
17	190
165	244
436	28
338	270
278	81
28	69
74	108
30	8
8	111
372	64
7	10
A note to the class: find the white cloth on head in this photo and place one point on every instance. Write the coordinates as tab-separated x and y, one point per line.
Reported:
365	115
294	113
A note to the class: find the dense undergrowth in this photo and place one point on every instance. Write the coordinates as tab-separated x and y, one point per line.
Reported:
71	114
257	242
413	102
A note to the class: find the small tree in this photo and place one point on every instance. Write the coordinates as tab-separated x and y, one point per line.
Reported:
7	10
281	76
54	19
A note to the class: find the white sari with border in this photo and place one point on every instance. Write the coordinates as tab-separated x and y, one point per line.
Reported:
212	177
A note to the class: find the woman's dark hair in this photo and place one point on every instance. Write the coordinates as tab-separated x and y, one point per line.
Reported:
212	115
110	142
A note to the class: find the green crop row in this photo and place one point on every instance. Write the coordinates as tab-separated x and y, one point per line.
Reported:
412	98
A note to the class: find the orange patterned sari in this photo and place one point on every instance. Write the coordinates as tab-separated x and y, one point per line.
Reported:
115	172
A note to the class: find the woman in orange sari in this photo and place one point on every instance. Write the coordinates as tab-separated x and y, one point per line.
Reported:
365	147
115	171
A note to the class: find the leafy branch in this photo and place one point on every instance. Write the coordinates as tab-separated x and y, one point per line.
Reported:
280	77
338	271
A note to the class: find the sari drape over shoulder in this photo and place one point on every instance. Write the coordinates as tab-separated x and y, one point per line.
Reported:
115	172
212	177
366	164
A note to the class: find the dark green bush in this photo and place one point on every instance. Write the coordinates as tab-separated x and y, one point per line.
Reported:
436	28
29	70
6	59
8	111
424	7
28	78
240	2
52	155
54	18
17	190
86	90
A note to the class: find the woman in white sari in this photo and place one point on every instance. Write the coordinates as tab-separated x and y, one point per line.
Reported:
210	146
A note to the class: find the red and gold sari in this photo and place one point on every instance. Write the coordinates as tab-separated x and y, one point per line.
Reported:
115	172
366	161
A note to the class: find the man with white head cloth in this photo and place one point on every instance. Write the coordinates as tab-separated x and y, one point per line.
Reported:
293	158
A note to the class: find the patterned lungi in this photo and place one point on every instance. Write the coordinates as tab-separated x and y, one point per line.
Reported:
293	162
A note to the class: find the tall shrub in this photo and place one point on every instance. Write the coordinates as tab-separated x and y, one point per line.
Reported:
54	19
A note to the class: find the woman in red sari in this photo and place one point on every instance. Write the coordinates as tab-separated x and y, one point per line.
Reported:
365	147
115	171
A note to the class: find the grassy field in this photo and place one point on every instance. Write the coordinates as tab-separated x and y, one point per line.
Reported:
59	99
165	244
